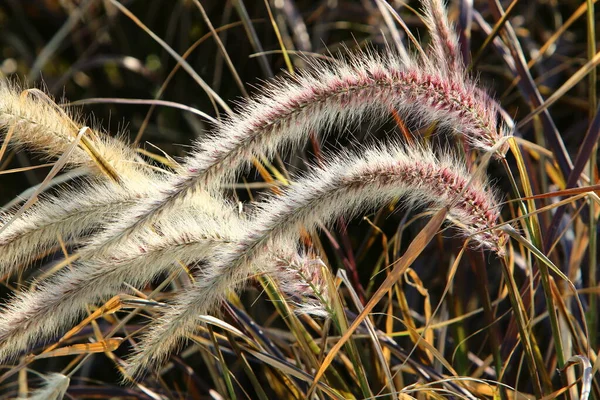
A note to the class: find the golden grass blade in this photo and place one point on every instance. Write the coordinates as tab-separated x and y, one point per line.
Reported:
595	189
497	26
85	348
293	371
415	248
558	33
15	170
568	85
373	335
86	144
111	306
538	253
286	56
533	223
7	138
223	325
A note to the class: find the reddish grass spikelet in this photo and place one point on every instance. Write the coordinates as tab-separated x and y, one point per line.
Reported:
444	42
302	279
365	87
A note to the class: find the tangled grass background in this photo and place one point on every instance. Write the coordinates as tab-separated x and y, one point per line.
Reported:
113	248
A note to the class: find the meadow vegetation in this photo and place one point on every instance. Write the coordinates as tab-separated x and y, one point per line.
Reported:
299	199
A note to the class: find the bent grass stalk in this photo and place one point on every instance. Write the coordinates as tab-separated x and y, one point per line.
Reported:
68	216
189	236
344	94
343	187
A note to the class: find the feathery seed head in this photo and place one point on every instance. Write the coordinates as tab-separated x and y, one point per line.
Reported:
345	186
37	122
301	276
444	45
345	93
54	388
365	87
68	215
351	183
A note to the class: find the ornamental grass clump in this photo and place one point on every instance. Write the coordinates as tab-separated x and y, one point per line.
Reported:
131	222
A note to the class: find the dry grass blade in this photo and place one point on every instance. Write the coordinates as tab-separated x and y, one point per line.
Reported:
295	372
531	91
374	338
499	24
573	80
211	93
87	348
588	146
416	247
154	102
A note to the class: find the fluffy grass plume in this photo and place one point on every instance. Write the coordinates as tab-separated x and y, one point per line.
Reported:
365	87
344	187
54	388
69	216
189	236
35	121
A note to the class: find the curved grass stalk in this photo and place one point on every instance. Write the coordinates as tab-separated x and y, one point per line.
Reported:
341	95
69	216
190	236
346	186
